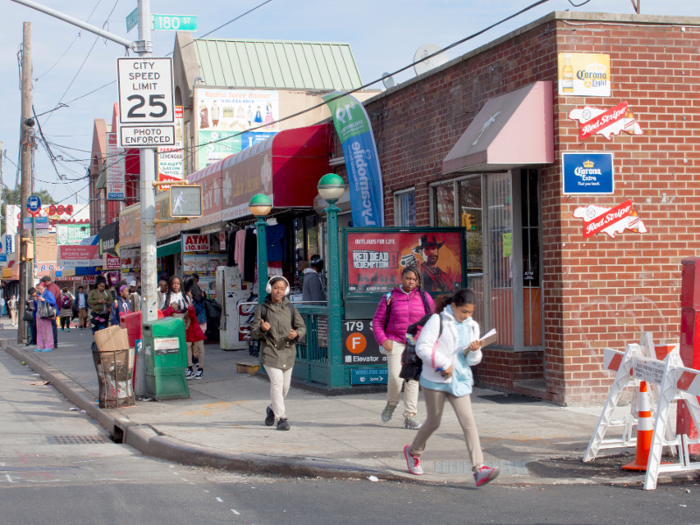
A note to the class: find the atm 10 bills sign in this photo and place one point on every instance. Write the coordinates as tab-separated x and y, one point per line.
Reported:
588	173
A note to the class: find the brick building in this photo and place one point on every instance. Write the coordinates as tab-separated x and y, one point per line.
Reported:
478	142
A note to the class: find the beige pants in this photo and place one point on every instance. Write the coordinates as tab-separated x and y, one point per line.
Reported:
196	349
410	392
279	386
435	403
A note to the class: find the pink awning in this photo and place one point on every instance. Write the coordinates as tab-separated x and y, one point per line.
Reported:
511	130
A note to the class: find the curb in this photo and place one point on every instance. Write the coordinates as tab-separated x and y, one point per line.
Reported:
150	442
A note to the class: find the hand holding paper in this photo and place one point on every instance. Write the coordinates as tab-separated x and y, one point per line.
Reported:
489	338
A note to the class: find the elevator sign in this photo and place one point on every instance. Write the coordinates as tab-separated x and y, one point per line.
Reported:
146	109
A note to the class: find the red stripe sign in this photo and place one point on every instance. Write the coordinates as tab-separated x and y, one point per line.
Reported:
605	220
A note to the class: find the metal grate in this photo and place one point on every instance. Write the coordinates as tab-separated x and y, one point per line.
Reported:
465	467
77	440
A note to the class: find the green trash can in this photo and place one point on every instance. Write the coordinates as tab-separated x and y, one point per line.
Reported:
166	359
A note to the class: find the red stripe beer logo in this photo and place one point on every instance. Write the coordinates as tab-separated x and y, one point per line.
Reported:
597	219
613	121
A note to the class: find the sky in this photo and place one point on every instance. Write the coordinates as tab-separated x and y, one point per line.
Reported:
384	36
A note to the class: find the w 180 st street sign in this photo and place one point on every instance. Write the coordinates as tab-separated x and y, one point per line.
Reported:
146	109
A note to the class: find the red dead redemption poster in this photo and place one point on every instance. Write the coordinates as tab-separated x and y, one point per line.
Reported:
376	259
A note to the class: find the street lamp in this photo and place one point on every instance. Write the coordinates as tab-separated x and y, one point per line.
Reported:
260	206
331	187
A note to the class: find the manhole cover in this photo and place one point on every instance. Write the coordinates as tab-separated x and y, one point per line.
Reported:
77	440
510	399
465	467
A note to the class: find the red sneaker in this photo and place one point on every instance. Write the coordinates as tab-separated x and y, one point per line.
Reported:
412	461
485	475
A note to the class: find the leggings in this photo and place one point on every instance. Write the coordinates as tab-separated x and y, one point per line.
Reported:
65	322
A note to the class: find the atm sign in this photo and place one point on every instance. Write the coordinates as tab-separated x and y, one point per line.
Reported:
195	243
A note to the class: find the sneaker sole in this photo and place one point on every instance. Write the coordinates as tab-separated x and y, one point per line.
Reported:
405	454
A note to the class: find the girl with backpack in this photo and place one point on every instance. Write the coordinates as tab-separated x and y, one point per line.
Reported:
66	310
194	336
195	348
449	346
120	307
278	326
398	309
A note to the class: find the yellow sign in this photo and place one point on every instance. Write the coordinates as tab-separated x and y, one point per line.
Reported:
584	75
507	245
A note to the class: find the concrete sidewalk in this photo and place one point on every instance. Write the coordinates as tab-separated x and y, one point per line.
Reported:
222	425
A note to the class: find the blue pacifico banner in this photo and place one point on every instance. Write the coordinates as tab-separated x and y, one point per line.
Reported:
361	162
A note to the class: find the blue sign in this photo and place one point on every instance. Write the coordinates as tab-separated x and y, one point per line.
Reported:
361	160
33	203
588	173
8	244
369	376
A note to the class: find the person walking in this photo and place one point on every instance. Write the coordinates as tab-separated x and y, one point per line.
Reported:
194	336
162	293
31	307
12	305
449	346
313	287
45	308
66	310
195	348
134	297
82	305
399	309
278	326
121	306
56	292
99	300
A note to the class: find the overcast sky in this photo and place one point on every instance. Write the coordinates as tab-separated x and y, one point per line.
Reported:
384	36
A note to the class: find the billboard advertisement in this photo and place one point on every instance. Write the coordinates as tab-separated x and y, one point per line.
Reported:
584	75
116	169
224	116
171	159
375	258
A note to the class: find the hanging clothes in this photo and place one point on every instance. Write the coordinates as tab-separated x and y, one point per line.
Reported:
250	255
276	243
239	256
231	249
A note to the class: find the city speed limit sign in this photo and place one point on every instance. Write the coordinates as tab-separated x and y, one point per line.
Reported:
146	109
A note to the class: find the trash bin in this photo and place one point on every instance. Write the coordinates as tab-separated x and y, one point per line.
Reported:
132	323
166	359
114	369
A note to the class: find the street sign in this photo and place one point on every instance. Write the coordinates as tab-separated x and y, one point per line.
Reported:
146	109
33	204
39	222
185	201
174	23
132	20
42	232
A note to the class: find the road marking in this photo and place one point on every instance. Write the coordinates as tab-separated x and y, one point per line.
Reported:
9	478
183	479
235	512
219	500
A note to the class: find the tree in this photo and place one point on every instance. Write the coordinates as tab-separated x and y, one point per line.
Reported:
13	197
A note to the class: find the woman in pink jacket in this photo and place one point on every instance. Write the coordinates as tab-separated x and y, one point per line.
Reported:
406	304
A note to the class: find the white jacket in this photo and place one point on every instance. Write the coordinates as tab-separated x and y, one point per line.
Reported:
445	354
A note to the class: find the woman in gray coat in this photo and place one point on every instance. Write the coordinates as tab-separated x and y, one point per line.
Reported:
278	326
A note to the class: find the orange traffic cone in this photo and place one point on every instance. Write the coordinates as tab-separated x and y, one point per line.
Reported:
645	430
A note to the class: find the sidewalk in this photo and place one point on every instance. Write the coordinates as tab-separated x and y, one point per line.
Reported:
534	442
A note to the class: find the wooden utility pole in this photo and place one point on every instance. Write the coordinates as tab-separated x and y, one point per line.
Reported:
26	147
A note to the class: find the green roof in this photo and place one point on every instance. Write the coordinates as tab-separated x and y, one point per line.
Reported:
271	64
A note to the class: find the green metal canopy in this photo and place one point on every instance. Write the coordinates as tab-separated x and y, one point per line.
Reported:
274	64
169	249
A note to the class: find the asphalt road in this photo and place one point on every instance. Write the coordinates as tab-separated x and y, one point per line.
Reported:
43	482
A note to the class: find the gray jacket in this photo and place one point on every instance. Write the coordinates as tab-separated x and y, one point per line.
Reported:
313	288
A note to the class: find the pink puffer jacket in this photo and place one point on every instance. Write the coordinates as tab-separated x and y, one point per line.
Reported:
405	310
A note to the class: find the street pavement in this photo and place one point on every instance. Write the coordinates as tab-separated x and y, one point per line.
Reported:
42	481
533	442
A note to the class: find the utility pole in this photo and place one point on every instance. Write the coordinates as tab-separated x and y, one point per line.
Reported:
26	145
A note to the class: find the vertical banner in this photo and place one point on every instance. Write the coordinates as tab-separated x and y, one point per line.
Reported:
361	161
116	168
171	159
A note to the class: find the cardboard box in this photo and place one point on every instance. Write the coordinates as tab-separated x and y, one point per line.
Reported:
111	339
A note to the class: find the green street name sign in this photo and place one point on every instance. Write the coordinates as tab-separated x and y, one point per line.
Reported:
174	23
132	20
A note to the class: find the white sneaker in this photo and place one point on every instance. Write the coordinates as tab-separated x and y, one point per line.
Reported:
412	461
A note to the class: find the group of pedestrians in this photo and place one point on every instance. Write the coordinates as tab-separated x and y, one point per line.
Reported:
447	345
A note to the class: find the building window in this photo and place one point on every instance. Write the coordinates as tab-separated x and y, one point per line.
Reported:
444	204
405	208
530	226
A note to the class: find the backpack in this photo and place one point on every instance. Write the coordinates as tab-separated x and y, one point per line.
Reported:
411	364
66	302
423	297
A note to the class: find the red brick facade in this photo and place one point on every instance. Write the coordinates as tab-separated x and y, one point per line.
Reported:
600	291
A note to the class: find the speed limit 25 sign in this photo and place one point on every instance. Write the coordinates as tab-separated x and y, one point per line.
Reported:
146	109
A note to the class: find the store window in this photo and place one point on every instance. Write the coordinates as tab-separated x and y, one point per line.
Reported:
405	208
532	293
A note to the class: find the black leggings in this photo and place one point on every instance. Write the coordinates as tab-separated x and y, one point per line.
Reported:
65	322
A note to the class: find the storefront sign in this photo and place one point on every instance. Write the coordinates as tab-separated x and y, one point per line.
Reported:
194	243
606	122
585	75
359	345
130	226
71	233
111	263
171	159
587	173
116	169
375	259
131	260
89	280
223	113
597	219
361	160
75	256
369	376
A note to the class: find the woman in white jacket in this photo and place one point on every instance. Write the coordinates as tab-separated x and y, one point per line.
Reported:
448	346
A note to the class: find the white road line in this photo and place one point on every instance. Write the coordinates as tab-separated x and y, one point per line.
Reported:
183	479
235	512
9	478
219	500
